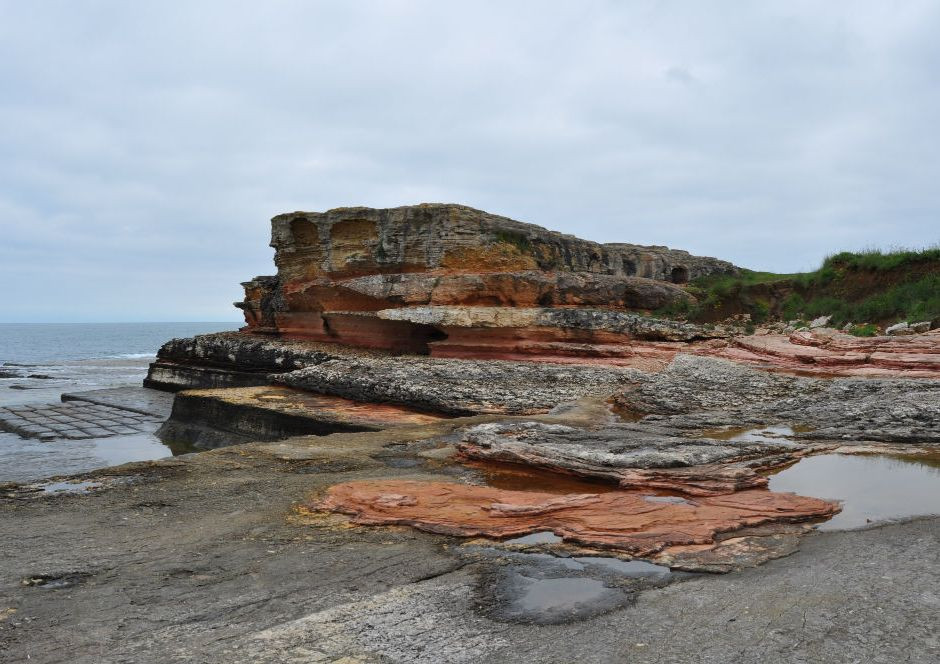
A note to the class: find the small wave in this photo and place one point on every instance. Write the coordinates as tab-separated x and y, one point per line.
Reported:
133	356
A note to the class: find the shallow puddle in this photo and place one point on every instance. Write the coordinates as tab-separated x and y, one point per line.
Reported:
634	569
769	434
125	449
871	488
544	537
70	487
516	477
564	594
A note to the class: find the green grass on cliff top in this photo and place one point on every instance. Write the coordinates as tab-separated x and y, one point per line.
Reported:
862	287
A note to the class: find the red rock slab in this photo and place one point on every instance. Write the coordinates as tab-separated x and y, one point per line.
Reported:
832	353
705	480
622	520
555	345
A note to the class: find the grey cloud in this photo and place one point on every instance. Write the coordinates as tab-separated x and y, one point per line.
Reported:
148	144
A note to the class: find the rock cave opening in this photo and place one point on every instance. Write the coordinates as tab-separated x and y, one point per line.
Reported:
680	275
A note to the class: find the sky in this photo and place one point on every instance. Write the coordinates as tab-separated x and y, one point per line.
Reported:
146	145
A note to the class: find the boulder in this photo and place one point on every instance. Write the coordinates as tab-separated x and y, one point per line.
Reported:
898	329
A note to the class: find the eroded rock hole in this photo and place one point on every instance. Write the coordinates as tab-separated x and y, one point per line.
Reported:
680	275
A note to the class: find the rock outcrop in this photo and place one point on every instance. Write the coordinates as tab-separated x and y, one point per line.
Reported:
212	418
448	386
338	269
623	520
459	387
631	455
697	393
830	352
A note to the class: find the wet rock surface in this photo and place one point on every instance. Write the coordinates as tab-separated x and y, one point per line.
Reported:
538	588
74	420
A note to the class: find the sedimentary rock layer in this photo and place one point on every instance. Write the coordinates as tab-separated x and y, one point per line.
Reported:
631	455
213	417
829	352
528	288
365	260
623	520
448	386
459	387
357	240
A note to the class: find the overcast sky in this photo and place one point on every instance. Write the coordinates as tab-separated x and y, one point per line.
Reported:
145	145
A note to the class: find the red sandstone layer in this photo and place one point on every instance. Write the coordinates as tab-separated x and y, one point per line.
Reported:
622	520
830	352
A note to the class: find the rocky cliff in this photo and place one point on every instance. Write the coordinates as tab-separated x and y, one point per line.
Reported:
340	273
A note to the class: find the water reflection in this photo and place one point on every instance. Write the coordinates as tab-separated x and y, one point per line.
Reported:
871	488
776	434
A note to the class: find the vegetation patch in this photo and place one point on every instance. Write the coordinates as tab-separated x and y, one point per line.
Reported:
517	240
872	287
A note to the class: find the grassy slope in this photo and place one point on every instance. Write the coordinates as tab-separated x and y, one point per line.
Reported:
867	287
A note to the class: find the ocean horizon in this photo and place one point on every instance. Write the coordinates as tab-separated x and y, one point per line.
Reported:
45	343
41	361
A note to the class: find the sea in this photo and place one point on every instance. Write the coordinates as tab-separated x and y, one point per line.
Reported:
43	360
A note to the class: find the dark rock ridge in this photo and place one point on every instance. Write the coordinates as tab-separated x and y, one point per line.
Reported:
231	359
459	387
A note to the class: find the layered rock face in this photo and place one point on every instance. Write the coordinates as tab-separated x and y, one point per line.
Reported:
346	275
826	351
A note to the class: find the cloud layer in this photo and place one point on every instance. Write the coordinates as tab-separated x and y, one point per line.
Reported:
146	145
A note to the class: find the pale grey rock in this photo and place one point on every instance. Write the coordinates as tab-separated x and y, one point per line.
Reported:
899	329
601	451
459	387
695	393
